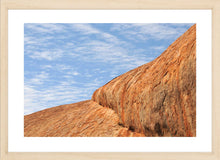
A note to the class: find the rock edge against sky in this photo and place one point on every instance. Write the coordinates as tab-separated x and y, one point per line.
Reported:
155	99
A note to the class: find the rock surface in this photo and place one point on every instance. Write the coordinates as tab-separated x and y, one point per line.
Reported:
82	119
157	98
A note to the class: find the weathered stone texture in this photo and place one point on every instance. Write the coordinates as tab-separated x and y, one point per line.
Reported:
157	98
82	119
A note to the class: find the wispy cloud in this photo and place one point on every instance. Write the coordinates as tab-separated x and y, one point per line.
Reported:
84	28
87	29
48	55
37	99
158	48
53	96
39	78
45	27
150	31
66	63
104	52
74	73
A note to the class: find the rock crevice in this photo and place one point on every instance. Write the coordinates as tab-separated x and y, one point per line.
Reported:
157	98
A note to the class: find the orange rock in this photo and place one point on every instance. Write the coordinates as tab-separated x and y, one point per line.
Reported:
157	98
83	119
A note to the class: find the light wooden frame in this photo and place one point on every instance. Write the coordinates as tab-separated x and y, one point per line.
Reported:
214	5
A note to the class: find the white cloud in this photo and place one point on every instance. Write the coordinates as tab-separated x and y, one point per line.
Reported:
90	46
104	52
48	55
28	40
74	73
36	99
145	31
84	28
39	78
46	66
158	48
94	83
63	67
87	29
45	27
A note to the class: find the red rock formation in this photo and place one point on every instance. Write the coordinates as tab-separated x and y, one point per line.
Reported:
83	119
157	98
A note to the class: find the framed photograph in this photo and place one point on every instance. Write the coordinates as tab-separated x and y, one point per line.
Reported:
104	79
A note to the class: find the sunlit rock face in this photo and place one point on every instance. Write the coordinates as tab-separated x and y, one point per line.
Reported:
157	98
82	119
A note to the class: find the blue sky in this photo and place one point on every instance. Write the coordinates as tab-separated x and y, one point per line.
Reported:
66	62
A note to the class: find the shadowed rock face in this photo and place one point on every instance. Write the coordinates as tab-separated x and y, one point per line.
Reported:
83	119
157	98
